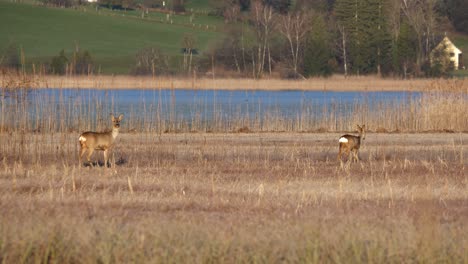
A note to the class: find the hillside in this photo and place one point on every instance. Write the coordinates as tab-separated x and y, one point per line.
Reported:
461	41
113	39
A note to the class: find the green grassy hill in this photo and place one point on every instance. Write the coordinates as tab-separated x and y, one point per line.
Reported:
461	41
112	38
198	5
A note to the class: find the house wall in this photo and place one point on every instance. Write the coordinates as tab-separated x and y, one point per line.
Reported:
454	54
452	51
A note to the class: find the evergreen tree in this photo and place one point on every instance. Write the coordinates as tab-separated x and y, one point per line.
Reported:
348	14
82	62
405	53
280	6
457	11
318	56
368	36
244	5
322	6
11	57
377	37
59	63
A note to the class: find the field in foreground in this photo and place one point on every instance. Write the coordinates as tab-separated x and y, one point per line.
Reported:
223	198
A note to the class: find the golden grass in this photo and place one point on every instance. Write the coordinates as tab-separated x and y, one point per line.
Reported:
223	198
443	109
335	83
231	197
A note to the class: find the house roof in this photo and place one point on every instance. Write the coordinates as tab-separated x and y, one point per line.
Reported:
449	45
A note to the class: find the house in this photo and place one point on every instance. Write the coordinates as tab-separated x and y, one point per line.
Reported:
447	54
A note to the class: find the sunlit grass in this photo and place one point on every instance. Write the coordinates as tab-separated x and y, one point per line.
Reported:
43	32
235	189
441	106
234	198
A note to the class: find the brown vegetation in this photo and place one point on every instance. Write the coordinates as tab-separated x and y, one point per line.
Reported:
335	83
441	108
239	193
268	197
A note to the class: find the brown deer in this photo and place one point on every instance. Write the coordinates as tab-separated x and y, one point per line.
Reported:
91	141
352	143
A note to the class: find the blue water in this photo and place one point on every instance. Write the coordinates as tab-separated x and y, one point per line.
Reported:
145	110
185	103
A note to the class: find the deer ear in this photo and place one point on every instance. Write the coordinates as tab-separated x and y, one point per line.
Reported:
112	117
363	126
359	127
121	117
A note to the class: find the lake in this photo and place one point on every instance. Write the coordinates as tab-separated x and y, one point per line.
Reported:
183	102
144	108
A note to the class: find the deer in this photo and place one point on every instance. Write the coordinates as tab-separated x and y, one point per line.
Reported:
91	141
350	143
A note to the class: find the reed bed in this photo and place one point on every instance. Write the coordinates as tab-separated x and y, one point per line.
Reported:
335	83
441	108
224	186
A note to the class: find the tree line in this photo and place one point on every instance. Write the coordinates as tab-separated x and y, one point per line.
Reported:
304	39
321	37
171	5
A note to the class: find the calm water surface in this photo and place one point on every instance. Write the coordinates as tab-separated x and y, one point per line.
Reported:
186	103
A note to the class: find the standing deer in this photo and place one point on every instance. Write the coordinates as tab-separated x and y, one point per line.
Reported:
352	143
91	141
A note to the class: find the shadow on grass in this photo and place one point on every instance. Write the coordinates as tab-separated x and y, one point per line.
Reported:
121	161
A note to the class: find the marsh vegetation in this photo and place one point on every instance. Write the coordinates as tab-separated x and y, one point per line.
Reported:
234	190
235	197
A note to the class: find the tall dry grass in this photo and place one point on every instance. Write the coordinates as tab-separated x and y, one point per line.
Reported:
266	197
234	197
442	107
334	83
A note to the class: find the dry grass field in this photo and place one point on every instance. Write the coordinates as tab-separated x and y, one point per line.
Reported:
235	197
334	83
259	190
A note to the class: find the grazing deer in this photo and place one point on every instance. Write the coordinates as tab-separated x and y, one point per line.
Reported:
352	143
91	141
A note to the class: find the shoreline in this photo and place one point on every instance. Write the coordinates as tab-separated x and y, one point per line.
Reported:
121	82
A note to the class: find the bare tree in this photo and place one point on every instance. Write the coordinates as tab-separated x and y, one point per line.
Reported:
420	14
231	12
341	43
188	43
150	60
294	26
394	17
263	18
430	24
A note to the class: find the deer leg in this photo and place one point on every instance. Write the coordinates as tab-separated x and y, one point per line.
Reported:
338	157
90	152
106	156
355	156
342	151
348	152
82	152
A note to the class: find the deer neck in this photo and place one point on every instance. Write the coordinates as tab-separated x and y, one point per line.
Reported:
360	138
115	133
